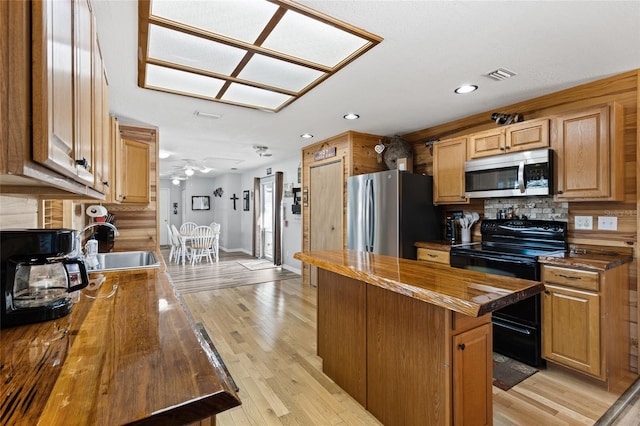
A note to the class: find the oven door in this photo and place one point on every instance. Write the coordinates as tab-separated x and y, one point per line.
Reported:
497	264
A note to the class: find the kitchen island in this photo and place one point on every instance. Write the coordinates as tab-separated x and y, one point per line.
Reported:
128	353
409	340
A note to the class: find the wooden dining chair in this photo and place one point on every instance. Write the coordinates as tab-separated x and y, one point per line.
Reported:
200	242
188	227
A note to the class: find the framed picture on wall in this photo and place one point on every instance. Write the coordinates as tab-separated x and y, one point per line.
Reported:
245	201
200	202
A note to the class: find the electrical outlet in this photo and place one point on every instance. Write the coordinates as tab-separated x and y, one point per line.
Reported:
608	223
583	222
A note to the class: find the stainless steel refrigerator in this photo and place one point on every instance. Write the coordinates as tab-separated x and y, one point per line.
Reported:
387	212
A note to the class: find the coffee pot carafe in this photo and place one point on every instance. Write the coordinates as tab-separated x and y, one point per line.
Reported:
37	276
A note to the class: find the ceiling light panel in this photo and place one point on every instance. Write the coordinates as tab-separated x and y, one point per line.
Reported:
261	54
314	41
182	82
238	19
195	52
277	73
247	95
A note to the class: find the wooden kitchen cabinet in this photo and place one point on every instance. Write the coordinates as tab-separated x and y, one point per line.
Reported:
589	148
102	157
432	255
132	163
585	321
472	376
448	171
524	136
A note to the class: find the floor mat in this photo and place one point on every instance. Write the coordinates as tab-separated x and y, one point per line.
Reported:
255	265
508	372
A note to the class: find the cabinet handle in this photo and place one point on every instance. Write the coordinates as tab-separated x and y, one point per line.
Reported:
432	255
462	197
569	277
84	163
547	292
559	191
501	149
507	147
461	346
106	183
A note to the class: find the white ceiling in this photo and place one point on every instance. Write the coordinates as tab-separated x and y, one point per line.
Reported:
404	84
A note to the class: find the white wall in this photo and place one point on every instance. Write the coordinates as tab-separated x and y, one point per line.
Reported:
292	226
236	226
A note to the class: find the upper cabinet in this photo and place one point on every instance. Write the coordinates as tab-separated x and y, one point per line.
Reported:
589	148
132	158
58	101
448	171
532	134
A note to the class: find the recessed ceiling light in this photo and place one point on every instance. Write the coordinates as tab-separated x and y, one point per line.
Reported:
306	136
467	88
164	154
351	116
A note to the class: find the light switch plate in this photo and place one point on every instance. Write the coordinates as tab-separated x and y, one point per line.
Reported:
583	222
608	223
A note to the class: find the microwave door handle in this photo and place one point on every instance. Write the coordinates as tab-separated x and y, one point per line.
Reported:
521	177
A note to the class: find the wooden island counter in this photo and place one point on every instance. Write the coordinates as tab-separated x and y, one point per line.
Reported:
410	340
128	353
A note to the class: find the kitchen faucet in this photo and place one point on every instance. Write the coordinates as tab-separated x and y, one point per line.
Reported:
78	249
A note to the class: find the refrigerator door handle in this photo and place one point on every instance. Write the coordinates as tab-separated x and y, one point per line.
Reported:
370	220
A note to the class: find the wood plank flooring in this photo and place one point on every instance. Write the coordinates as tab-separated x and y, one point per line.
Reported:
264	327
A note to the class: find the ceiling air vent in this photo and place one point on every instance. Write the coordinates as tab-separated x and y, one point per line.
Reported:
501	74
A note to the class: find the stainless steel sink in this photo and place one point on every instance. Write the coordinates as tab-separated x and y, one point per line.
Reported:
127	260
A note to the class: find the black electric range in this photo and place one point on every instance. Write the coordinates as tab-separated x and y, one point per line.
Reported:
511	248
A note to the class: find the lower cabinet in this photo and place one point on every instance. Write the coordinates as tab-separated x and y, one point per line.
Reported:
585	322
408	362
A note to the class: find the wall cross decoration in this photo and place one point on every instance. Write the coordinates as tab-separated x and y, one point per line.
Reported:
234	198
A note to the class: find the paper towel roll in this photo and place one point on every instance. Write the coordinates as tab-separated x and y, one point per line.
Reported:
96	211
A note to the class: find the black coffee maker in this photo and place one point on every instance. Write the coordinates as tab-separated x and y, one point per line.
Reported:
37	275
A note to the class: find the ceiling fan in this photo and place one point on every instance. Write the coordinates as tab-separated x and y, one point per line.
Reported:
261	150
191	166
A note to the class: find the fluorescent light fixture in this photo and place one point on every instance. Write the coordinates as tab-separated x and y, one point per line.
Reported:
466	88
164	154
189	171
351	116
207	114
306	136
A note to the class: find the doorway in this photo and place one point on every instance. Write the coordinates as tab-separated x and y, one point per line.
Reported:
267	217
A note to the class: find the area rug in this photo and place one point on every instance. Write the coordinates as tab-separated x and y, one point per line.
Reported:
255	265
508	372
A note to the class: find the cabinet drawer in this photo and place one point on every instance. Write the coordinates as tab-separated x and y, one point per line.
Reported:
430	255
571	277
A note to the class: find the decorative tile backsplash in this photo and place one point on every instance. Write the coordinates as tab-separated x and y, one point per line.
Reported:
540	208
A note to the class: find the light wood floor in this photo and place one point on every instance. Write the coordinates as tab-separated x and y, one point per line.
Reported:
266	334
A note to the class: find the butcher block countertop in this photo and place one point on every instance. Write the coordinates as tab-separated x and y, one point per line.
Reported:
127	353
467	292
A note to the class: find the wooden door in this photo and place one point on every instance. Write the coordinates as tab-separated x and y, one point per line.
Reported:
448	171
326	211
135	172
472	372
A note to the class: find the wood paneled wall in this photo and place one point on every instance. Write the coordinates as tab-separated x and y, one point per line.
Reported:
622	88
18	212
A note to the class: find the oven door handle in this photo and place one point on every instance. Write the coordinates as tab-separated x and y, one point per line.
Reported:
498	259
512	327
521	177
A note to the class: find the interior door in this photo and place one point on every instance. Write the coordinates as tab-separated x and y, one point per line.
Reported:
165	202
267	217
326	188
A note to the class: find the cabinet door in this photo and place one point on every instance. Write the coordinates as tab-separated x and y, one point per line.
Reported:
83	88
528	135
472	377
487	143
135	172
448	171
589	165
571	328
53	85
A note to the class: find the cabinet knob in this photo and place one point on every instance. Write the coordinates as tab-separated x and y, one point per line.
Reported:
559	192
547	292
461	346
507	147
501	149
84	163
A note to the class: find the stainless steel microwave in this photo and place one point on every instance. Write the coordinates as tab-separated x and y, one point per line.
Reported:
518	174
